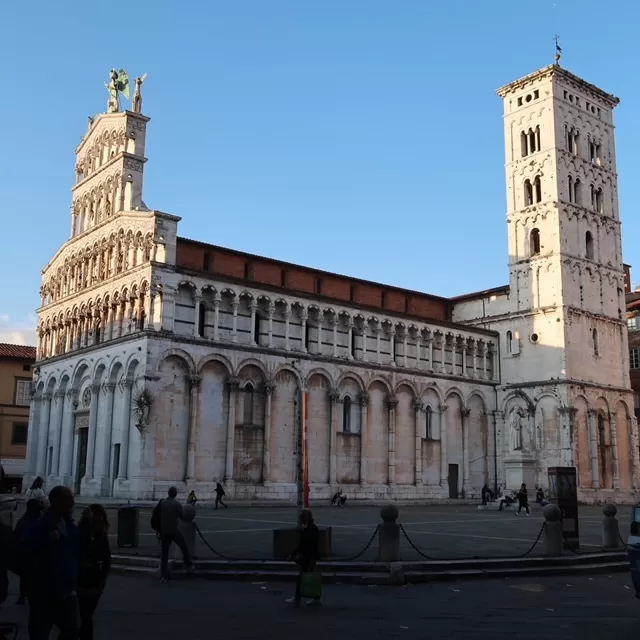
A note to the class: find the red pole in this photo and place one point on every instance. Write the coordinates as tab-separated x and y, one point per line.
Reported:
305	450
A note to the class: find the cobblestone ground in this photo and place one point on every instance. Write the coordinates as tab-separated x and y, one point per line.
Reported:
439	531
550	608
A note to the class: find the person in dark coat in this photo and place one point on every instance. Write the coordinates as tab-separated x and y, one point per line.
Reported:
6	550
53	545
95	563
30	517
523	499
307	553
219	495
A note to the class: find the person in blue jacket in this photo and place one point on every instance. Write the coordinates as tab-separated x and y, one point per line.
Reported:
52	545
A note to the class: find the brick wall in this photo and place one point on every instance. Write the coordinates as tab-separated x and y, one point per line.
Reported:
200	257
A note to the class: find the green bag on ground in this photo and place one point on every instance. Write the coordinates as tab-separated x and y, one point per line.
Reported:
311	584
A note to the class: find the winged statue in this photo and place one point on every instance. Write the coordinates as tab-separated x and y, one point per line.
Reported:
118	84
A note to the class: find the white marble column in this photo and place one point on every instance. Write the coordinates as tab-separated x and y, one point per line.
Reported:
93	425
253	307
392	346
233	385
192	435
464	417
418	349
334	398
484	362
593	449
125	419
615	469
234	306
334	325
392	403
303	330
68	424
287	319
430	353
107	431
444	467
271	311
464	358
319	337
266	452
56	423
376	331
404	349
31	462
350	338
43	434
418	408
364	403
216	316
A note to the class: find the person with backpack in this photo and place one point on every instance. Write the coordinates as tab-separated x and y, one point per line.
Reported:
306	555
165	521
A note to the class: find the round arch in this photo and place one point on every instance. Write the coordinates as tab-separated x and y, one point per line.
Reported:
318	371
354	376
178	353
407	383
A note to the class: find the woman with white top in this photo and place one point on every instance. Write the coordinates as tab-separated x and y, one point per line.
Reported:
37	492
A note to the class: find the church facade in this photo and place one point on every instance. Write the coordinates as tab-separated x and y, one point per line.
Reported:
163	360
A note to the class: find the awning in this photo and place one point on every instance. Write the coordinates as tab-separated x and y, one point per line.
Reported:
13	466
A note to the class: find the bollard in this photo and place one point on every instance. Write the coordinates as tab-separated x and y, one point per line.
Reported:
552	530
389	535
610	528
188	530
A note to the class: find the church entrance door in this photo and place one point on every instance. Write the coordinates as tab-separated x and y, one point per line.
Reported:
82	429
453	481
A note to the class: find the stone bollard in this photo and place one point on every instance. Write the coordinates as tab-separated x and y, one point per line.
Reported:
552	530
610	528
188	531
389	535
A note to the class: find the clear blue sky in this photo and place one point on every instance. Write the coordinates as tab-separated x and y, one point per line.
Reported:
362	136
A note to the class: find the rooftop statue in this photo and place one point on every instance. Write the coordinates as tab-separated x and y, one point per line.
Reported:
118	84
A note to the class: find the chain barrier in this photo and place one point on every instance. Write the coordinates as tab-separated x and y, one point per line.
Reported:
216	553
622	542
427	557
366	548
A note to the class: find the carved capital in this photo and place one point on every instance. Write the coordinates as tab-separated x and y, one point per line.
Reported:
253	307
46	396
392	403
194	382
363	399
269	388
334	396
592	413
233	384
443	408
59	394
464	412
109	387
418	406
72	396
95	388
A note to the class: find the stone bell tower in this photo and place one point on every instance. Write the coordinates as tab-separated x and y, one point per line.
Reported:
110	162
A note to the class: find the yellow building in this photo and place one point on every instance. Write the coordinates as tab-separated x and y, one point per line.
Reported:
15	396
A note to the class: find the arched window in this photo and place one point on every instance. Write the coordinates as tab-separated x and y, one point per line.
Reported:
592	192
602	450
537	189
577	192
509	340
524	144
307	331
570	181
588	245
353	343
528	193
538	145
533	139
534	242
428	418
599	200
248	404
594	335
256	328
346	414
201	318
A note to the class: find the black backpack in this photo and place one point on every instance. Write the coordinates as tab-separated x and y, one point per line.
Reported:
155	518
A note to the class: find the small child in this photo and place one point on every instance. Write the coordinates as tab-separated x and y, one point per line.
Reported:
191	498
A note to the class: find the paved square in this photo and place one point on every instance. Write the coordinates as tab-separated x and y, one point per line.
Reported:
439	531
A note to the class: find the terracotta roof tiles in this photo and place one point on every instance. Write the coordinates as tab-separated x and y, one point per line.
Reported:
17	351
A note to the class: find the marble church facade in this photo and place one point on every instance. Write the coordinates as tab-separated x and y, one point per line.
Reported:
163	360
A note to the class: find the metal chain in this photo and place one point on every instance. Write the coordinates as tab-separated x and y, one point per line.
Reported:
217	553
427	557
366	547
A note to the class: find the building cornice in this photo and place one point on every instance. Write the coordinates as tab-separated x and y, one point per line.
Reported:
120	115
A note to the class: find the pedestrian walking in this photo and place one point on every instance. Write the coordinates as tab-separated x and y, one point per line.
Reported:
523	499
53	545
95	563
219	495
30	517
306	556
165	520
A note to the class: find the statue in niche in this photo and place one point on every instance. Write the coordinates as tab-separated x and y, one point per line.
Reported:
515	421
107	206
103	269
120	259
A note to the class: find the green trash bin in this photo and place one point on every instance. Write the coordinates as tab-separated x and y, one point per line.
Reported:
128	526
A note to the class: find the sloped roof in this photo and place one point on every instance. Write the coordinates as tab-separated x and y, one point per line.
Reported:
17	351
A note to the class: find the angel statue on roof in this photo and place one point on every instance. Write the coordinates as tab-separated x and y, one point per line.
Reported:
118	84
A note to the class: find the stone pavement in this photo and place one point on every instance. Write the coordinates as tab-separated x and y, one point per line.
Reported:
439	531
550	608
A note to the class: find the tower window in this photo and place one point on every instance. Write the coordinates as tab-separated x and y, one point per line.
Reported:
509	340
429	423
537	189
201	319
353	343
248	404
577	194
594	336
346	414
572	141
256	328
307	330
599	200
530	141
570	181
528	193
524	144
534	242
588	242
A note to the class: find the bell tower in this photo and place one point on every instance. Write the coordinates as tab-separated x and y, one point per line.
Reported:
565	252
110	161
